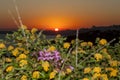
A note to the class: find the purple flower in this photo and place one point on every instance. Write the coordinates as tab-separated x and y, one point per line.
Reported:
46	55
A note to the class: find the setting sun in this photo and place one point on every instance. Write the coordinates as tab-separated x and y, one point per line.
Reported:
56	29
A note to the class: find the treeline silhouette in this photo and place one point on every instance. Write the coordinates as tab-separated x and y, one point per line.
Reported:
86	34
107	32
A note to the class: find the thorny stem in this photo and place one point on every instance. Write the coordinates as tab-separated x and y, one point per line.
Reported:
97	50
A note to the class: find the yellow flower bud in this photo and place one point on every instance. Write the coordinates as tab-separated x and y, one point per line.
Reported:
87	70
103	41
8	60
66	45
36	75
45	65
15	52
24	77
68	70
51	48
9	68
34	30
98	56
97	70
52	75
10	48
2	46
22	63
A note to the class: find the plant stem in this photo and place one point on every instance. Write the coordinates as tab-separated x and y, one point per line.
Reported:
76	51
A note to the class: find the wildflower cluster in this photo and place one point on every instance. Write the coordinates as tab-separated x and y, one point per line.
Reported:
28	55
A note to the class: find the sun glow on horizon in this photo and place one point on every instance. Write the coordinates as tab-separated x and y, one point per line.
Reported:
56	29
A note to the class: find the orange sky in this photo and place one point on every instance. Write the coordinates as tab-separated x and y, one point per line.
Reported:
49	14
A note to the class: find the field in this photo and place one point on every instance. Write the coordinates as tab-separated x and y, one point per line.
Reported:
29	55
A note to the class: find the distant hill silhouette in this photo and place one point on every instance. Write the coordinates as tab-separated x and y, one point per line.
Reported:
87	34
107	32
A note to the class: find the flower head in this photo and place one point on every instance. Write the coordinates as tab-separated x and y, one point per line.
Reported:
51	48
113	73
97	70
85	79
87	70
83	44
2	45
10	48
66	45
46	55
24	77
9	68
113	63
8	60
36	75
45	65
15	52
104	76
52	75
34	30
22	63
90	43
98	56
103	41
68	70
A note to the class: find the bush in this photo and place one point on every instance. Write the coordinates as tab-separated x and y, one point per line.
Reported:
28	55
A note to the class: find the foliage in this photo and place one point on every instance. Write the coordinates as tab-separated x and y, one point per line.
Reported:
28	55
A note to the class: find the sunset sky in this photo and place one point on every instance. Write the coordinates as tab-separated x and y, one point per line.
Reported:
63	14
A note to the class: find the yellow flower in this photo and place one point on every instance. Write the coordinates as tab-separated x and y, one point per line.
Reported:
98	56
85	79
9	68
103	41
66	45
52	75
87	70
51	48
113	73
58	36
45	65
113	63
97	70
10	48
22	56
15	52
8	60
104	77
96	76
2	46
22	63
24	77
68	70
34	30
83	44
90	43
36	75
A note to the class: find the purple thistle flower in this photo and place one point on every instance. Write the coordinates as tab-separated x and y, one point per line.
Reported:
45	55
